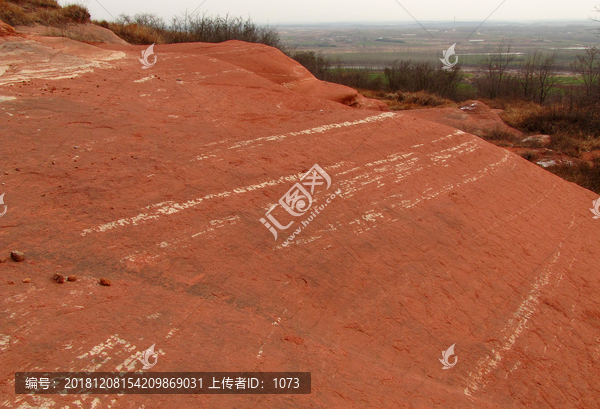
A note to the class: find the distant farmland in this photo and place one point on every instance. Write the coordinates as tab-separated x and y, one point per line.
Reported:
379	45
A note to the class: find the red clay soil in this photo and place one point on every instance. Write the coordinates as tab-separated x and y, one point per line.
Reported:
157	179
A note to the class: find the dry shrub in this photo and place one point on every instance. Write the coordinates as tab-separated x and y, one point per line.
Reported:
584	174
497	134
518	113
316	63
135	33
14	15
36	3
49	17
409	100
75	14
562	142
148	28
589	145
421	99
45	12
530	117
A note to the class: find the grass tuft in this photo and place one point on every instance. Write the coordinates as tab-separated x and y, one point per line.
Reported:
409	100
44	12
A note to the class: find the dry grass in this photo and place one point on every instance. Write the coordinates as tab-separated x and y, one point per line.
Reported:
564	143
584	174
13	14
37	3
75	13
134	33
44	12
533	118
571	129
409	100
498	135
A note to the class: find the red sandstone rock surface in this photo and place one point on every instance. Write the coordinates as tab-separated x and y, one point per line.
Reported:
156	179
82	32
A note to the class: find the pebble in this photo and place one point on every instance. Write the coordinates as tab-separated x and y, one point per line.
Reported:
17	256
104	281
72	278
27	280
59	278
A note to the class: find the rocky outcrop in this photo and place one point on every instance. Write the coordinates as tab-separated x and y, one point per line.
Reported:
472	116
155	180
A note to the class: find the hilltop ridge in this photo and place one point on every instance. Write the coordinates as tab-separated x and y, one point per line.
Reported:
157	179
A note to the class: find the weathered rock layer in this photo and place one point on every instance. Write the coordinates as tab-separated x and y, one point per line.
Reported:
156	179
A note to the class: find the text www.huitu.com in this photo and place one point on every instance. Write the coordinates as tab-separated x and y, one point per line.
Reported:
310	218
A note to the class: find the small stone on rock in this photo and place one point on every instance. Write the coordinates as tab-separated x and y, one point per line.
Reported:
27	280
17	256
72	278
59	278
104	281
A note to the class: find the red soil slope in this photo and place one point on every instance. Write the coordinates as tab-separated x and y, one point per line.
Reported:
157	180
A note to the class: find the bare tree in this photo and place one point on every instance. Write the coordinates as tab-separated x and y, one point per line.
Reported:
588	68
546	76
527	76
495	71
409	76
538	77
399	75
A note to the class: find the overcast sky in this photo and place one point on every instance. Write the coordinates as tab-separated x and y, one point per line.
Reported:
317	11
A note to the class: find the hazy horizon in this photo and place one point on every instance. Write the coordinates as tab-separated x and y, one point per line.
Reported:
439	22
357	12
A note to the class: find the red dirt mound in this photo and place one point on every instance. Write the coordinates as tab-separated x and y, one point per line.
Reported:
473	116
417	237
82	32
6	30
